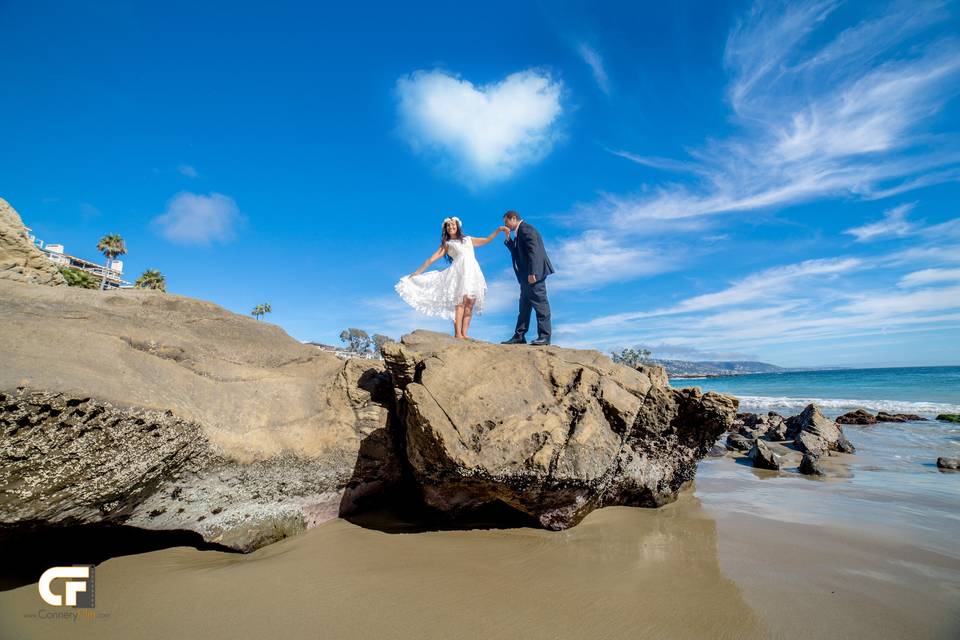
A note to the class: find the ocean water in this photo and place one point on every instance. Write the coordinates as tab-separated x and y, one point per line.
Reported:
925	391
891	485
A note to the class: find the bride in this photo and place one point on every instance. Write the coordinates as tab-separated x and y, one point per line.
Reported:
453	293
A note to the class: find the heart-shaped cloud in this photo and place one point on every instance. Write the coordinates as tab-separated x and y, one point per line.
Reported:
488	132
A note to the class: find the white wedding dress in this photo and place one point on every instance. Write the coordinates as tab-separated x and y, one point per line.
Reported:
437	293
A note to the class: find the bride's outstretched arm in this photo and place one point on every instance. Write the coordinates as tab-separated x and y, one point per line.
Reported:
479	242
429	261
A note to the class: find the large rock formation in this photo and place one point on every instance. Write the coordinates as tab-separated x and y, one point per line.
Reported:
163	412
20	260
553	433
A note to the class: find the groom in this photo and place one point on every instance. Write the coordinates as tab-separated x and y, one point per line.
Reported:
532	266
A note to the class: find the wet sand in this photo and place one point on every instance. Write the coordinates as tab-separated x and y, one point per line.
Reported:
722	562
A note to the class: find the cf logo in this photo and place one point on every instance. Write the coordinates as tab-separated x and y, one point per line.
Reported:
77	592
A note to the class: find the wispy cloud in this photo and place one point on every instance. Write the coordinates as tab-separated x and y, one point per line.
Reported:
192	218
483	133
187	170
593	59
88	211
929	276
894	224
827	299
817	117
595	259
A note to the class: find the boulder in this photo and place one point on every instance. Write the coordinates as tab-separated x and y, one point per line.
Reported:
162	412
812	431
949	417
859	416
718	450
948	463
550	432
883	416
777	431
739	442
810	465
763	456
20	259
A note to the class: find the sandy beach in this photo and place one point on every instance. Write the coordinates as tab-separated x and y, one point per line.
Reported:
726	560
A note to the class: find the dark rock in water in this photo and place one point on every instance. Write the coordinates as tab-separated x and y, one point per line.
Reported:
748	432
843	445
948	463
810	465
883	416
718	450
808	442
763	456
737	442
554	433
814	432
777	431
859	416
949	417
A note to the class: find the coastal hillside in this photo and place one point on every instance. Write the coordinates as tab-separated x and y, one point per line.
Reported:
680	368
20	260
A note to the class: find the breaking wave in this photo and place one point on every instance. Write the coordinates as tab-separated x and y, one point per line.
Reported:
842	405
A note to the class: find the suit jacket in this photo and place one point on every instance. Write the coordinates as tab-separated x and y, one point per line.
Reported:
529	256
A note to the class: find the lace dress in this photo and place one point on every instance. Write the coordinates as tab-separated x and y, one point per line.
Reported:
437	293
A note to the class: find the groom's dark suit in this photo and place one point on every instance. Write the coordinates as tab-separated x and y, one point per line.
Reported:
530	258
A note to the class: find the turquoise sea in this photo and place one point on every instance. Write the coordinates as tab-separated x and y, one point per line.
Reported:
891	485
925	391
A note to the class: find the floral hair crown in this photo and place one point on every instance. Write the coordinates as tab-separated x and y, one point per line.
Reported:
452	219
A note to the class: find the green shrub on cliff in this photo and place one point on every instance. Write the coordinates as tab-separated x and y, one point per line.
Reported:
79	278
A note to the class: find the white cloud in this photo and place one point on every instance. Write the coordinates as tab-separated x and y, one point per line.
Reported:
593	59
817	116
187	170
193	218
772	283
929	276
894	224
487	132
826	300
595	258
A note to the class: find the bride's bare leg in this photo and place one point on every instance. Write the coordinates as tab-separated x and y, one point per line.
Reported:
458	322
467	315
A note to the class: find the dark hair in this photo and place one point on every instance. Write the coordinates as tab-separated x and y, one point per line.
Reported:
444	236
511	214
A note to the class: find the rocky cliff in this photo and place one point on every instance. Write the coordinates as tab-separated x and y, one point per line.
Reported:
20	260
163	412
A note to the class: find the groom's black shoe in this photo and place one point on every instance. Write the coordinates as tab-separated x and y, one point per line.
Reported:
514	340
540	342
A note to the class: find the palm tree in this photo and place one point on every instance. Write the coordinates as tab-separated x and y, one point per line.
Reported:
111	246
152	279
261	309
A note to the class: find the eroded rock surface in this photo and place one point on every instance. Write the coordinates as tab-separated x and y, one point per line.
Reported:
20	260
164	412
551	432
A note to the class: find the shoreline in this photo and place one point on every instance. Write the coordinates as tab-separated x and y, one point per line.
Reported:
743	553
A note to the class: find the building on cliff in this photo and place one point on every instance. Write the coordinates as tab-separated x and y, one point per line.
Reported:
56	254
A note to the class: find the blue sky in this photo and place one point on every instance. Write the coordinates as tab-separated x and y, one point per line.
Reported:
713	180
